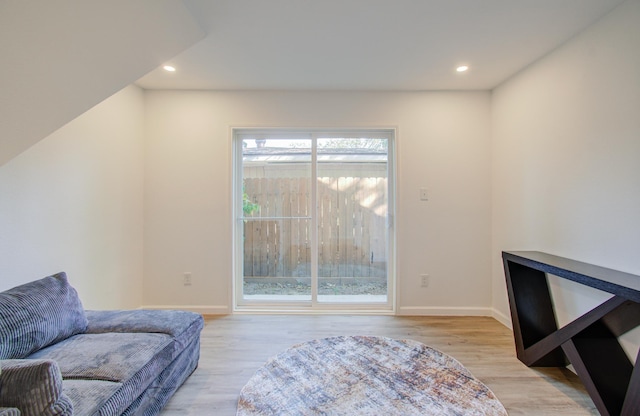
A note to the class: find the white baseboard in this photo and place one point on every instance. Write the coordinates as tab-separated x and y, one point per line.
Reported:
444	311
201	309
406	311
502	318
455	311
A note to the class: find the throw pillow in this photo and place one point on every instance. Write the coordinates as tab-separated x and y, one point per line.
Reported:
34	387
38	314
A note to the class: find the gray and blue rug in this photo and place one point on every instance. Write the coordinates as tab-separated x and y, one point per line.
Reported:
362	375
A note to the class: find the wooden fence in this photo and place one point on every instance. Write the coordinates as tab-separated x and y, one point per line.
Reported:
352	230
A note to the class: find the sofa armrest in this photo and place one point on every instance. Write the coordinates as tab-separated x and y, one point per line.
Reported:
34	387
9	411
170	322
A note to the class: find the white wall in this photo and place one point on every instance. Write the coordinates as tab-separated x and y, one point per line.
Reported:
566	158
443	145
73	203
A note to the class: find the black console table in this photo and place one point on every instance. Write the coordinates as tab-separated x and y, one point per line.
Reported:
589	343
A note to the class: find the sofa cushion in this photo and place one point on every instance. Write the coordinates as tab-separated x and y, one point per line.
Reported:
34	387
183	326
38	314
88	396
153	399
132	360
110	357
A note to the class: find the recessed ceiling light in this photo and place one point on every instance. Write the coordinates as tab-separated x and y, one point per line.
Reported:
169	68
462	68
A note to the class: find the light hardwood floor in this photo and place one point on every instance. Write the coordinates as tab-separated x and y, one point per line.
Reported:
235	346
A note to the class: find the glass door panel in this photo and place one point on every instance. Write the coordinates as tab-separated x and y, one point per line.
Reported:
276	206
352	219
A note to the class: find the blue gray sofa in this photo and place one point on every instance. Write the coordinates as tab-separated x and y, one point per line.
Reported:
58	359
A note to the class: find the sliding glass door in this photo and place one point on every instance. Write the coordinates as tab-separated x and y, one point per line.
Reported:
313	214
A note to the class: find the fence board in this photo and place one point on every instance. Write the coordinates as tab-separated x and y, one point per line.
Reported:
304	246
324	223
285	226
352	228
294	257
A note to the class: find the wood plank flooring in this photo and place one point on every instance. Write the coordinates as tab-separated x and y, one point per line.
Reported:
235	346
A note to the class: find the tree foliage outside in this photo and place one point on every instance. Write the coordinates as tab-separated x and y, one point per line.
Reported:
248	207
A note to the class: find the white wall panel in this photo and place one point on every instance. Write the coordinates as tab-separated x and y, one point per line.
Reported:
73	203
566	157
442	144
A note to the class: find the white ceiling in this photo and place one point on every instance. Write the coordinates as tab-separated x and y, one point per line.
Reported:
370	44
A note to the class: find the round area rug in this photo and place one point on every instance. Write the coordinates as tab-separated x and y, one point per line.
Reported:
363	375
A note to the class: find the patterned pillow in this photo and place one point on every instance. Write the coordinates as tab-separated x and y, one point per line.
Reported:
38	314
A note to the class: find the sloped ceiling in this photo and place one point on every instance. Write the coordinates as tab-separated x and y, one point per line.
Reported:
60	58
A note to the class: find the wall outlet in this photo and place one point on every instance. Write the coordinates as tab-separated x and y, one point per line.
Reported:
424	280
424	194
186	279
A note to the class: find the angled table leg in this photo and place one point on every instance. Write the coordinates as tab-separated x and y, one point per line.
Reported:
590	343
